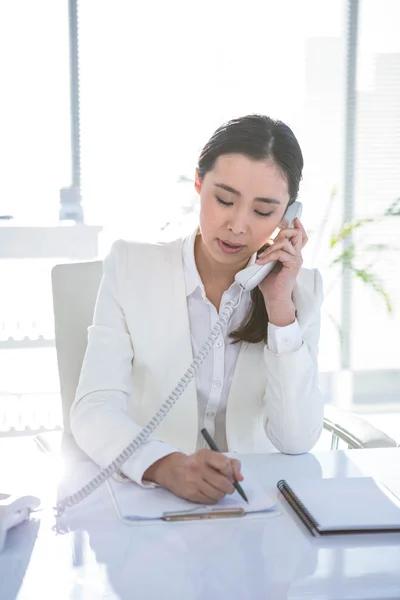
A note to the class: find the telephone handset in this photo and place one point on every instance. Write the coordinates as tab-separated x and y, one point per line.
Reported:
247	279
250	277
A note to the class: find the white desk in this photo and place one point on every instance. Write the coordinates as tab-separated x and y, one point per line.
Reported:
250	558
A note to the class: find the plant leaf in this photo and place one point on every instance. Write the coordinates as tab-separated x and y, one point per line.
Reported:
394	209
371	280
347	228
378	247
346	257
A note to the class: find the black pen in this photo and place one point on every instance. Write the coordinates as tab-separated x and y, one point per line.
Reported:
213	446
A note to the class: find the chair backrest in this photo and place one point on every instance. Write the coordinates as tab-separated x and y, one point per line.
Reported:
75	287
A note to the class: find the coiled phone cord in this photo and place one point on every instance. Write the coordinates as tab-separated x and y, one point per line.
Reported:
162	412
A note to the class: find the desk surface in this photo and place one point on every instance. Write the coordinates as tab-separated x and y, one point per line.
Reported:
94	556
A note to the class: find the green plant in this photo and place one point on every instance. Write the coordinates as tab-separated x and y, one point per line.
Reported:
357	256
394	209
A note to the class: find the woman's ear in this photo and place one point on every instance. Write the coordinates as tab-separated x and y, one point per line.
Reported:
197	182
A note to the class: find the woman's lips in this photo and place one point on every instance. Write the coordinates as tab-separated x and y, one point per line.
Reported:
229	248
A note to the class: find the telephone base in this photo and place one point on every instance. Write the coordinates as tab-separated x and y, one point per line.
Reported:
13	511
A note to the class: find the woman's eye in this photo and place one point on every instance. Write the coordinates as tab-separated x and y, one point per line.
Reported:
220	201
264	214
223	202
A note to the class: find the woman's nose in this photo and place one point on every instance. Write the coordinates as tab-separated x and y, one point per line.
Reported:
237	223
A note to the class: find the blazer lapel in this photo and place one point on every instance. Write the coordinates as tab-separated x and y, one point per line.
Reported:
179	351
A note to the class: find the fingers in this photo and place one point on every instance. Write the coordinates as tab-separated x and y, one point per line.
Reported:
219	482
293	261
237	469
217	461
229	467
223	471
296	234
201	498
212	493
289	241
204	477
278	246
304	236
293	234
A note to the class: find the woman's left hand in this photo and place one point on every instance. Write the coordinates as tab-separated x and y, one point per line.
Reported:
278	286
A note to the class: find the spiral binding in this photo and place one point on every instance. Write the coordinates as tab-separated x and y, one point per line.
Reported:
162	412
298	506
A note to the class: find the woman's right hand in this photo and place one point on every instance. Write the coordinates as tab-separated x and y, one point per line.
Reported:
204	477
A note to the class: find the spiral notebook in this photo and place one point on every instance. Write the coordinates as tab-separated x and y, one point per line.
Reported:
348	505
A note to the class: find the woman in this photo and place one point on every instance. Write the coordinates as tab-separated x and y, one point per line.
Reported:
257	391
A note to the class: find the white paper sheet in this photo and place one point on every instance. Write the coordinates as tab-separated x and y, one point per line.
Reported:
135	502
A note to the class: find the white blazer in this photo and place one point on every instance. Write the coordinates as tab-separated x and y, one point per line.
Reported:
139	346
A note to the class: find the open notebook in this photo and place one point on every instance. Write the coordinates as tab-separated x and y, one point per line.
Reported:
349	505
135	503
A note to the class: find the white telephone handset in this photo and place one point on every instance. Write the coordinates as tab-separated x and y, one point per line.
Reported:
250	277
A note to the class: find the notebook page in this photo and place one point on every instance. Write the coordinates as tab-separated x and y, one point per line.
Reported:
135	502
393	485
358	503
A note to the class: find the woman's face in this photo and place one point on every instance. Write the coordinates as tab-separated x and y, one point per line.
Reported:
242	202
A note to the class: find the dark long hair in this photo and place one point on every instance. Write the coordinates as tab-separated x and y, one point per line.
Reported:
260	138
